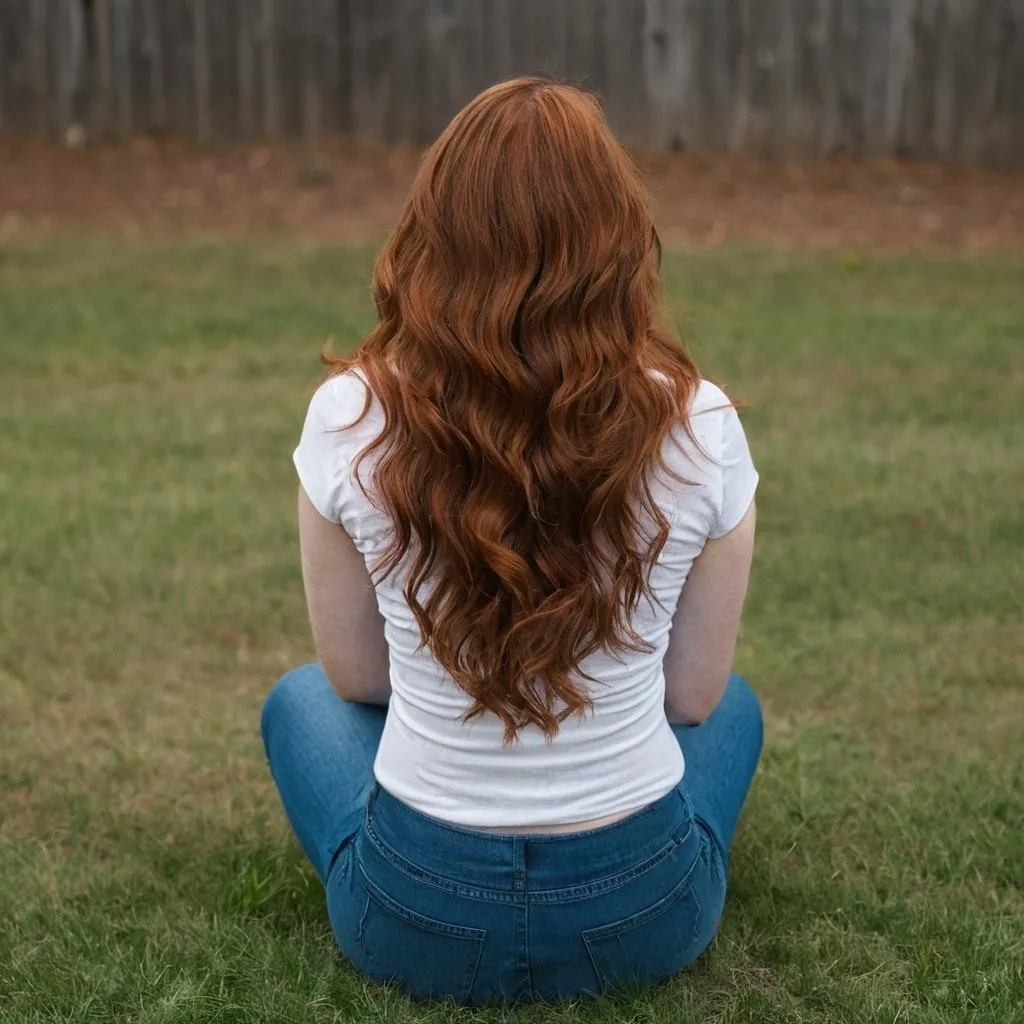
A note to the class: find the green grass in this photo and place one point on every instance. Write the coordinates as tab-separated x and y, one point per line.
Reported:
150	594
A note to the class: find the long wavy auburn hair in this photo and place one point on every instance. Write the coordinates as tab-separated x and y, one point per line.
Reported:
527	385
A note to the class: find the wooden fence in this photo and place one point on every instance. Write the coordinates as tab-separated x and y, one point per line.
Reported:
933	79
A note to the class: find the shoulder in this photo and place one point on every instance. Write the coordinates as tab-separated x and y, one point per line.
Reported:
710	410
700	453
709	398
334	434
341	400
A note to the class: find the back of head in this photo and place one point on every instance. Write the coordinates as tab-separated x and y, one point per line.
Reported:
527	386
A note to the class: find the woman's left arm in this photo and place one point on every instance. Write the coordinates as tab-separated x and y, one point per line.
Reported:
348	630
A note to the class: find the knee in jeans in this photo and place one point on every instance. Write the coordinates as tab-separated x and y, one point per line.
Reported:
744	703
287	696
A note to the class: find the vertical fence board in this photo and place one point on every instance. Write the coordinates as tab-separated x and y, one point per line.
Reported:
121	76
341	56
330	77
153	52
246	60
875	23
981	143
69	59
502	17
312	98
201	68
743	98
40	67
948	25
400	57
100	76
624	84
901	61
1011	98
5	63
371	44
667	67
472	37
443	59
268	54
584	56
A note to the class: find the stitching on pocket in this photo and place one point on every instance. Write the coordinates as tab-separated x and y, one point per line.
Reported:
382	899
361	937
616	931
626	924
462	986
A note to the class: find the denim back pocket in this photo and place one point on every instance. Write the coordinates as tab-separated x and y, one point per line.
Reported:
428	958
649	945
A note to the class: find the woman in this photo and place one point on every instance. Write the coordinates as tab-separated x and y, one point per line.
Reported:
526	529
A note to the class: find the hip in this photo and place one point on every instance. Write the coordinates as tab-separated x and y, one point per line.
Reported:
447	911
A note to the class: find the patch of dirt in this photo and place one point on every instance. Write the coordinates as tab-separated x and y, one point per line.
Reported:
166	189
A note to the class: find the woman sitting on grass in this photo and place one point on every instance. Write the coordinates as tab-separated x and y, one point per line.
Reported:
526	529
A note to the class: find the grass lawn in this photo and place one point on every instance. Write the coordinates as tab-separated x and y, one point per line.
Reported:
150	595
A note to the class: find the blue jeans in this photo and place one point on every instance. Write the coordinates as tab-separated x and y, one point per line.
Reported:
479	916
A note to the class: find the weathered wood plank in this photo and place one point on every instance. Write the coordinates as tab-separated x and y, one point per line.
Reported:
669	59
101	71
1012	89
312	97
201	68
40	67
5	32
371	43
246	61
121	73
153	51
268	54
69	61
626	89
901	62
330	70
743	98
949	24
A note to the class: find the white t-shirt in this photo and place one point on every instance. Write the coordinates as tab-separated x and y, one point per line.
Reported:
621	755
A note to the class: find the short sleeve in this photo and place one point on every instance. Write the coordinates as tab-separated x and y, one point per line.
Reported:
323	457
739	477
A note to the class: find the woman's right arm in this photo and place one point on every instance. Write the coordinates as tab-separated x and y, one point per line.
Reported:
706	624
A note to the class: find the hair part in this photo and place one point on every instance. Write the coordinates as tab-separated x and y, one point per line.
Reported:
527	384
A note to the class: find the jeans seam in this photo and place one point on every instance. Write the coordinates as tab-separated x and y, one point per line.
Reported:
528	958
361	935
337	855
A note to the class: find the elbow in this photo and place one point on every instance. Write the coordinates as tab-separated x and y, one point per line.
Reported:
686	715
341	681
696	707
353	689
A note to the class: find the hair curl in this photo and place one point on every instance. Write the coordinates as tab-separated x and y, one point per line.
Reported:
527	385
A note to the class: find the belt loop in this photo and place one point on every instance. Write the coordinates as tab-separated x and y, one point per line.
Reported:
519	863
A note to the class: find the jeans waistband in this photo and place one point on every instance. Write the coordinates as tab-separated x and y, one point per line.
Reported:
527	863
